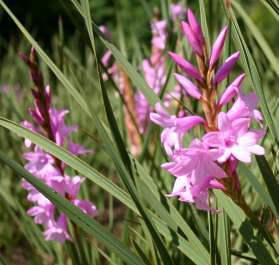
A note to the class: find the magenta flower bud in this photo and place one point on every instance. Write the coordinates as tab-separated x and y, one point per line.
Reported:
195	26
192	38
187	67
188	86
226	68
232	90
218	46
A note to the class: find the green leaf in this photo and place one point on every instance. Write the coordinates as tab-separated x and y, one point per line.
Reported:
166	259
265	196
266	49
274	6
270	182
224	240
244	226
204	23
82	220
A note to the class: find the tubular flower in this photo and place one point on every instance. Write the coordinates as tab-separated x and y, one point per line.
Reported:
210	162
50	123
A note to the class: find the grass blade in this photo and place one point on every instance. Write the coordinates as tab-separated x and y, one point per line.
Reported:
270	181
245	227
266	49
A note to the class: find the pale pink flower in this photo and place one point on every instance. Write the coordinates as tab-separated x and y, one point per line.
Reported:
234	139
159	34
196	171
245	107
177	11
57	230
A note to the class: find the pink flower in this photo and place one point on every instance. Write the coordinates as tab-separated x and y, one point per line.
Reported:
196	172
43	212
181	124
234	139
50	123
245	107
154	72
174	127
40	164
57	230
78	149
159	34
59	129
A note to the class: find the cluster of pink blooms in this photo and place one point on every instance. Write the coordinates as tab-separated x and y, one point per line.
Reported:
49	122
154	68
228	139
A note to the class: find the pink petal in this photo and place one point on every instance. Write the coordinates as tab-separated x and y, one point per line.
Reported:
223	122
186	66
251	137
225	156
214	184
226	68
195	26
189	87
192	39
242	154
212	139
161	120
179	185
186	123
256	149
218	47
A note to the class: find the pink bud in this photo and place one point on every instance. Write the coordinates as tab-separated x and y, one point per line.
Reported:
226	68
195	26
189	87
232	90
192	38
186	66
218	47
